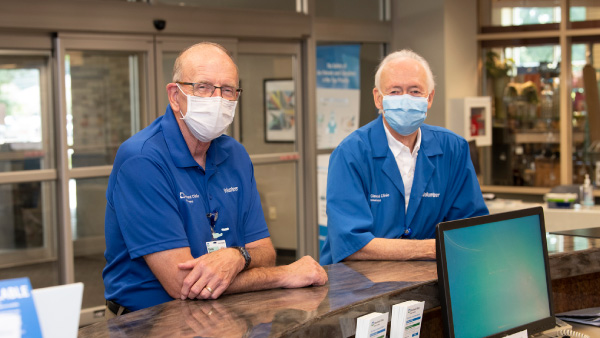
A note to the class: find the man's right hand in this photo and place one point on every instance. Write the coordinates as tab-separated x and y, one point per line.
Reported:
211	274
304	272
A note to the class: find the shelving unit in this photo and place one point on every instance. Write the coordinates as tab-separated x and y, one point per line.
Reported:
519	137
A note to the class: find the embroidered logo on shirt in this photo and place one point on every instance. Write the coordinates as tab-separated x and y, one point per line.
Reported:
431	194
377	198
230	189
188	198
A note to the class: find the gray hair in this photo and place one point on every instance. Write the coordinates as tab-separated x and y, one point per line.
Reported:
177	68
405	54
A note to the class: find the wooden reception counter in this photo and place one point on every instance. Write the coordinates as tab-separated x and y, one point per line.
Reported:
354	289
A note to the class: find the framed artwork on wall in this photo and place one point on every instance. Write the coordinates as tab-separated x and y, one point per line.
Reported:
280	110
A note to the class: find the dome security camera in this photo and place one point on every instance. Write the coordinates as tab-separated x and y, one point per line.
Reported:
159	24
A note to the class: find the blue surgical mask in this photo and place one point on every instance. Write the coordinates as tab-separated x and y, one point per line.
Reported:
405	113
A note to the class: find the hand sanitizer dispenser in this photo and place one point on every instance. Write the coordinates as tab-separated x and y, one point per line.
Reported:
587	193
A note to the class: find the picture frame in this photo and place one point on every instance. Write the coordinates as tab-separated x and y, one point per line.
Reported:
279	110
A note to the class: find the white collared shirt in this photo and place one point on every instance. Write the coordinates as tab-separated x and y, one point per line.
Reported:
405	160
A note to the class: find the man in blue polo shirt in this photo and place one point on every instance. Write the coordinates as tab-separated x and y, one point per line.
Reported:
183	215
391	181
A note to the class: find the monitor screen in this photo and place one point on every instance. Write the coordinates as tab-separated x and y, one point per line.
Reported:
493	274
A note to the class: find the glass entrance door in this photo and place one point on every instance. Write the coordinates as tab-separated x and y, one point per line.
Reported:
106	82
27	167
270	129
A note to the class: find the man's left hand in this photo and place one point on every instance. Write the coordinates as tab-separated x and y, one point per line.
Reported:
211	272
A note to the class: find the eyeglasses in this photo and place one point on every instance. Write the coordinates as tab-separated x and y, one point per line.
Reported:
207	90
412	92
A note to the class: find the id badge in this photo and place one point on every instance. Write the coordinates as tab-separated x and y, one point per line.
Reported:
215	245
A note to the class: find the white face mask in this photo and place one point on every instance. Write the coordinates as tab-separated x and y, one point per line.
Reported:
208	117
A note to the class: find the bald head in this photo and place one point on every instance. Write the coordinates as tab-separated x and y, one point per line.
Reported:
196	53
207	63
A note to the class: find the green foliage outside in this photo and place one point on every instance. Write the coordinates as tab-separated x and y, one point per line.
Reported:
21	78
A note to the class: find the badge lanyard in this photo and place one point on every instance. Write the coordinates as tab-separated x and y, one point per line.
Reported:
212	218
215	244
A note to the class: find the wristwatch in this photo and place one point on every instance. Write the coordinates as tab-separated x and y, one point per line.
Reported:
245	254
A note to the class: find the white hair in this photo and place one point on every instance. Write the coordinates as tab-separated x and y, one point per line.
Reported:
405	54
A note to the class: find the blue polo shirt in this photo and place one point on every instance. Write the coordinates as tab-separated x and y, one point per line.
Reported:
365	191
158	198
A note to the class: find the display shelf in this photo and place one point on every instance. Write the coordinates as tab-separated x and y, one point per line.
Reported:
544	137
522	190
509	189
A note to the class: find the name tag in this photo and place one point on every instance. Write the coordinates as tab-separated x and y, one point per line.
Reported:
215	245
378	197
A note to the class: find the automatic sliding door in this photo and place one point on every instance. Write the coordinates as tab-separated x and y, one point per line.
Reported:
106	100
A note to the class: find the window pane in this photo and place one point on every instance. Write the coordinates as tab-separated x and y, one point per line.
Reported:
41	275
586	119
524	84
282	5
350	9
584	10
28	232
103	104
266	109
23	103
518	13
88	204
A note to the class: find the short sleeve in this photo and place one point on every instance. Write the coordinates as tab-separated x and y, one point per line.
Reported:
146	208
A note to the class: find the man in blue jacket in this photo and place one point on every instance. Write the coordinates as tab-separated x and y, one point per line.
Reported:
391	181
183	215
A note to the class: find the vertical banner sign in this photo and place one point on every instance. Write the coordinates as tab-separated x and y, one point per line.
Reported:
338	102
338	93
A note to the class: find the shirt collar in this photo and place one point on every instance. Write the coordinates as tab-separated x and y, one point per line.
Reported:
398	147
179	150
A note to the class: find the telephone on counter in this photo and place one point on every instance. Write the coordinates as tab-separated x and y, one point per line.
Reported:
562	330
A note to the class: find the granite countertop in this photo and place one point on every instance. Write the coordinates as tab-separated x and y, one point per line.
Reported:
354	288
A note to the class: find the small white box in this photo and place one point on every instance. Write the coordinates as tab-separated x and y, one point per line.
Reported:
372	325
471	118
406	319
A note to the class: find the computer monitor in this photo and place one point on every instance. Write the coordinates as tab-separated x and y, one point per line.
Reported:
493	275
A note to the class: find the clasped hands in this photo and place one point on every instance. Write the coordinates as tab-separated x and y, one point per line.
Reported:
217	270
210	274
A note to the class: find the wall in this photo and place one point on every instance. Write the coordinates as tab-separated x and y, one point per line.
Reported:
254	69
460	33
443	32
276	183
420	26
370	56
